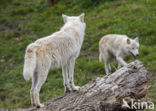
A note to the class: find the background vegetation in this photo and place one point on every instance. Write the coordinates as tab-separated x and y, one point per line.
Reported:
24	21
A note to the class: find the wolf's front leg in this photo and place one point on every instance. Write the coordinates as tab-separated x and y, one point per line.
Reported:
65	78
121	61
119	65
71	74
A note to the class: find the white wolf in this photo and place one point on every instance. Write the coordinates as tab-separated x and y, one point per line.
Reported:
57	50
115	47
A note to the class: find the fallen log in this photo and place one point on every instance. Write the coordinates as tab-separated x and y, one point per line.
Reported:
105	94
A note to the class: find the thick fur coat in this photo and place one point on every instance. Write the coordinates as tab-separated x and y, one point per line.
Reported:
114	47
57	50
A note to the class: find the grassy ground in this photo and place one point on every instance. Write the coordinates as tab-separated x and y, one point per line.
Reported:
24	21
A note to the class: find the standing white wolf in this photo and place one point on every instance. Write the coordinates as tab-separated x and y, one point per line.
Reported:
115	47
57	50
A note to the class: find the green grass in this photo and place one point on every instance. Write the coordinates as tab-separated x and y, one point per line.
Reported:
24	21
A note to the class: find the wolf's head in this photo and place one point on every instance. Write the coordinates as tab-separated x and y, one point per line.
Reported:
74	19
133	46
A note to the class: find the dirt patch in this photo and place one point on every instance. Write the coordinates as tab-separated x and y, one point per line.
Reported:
14	26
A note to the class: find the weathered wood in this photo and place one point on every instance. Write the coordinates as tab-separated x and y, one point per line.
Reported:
104	94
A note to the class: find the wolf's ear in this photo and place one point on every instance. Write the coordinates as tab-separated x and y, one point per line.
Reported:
128	41
82	17
136	39
64	18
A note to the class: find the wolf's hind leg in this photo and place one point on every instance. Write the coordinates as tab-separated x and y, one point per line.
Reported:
71	74
42	76
42	72
119	65
32	95
109	67
65	78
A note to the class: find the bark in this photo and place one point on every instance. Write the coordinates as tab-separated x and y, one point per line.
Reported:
104	94
53	2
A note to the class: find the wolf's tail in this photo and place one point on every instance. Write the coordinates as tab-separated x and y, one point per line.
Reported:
29	62
100	57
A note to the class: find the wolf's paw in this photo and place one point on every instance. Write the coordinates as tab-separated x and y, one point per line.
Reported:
40	105
33	104
76	88
67	90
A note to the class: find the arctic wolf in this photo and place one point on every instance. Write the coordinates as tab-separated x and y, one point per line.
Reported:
57	50
115	47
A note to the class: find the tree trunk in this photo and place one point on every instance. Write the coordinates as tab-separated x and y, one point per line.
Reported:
53	2
104	94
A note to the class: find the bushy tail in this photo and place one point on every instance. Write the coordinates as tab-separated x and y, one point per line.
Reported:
29	62
100	57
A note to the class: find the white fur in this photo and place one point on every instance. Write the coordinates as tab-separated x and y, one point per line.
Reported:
115	47
30	62
57	50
